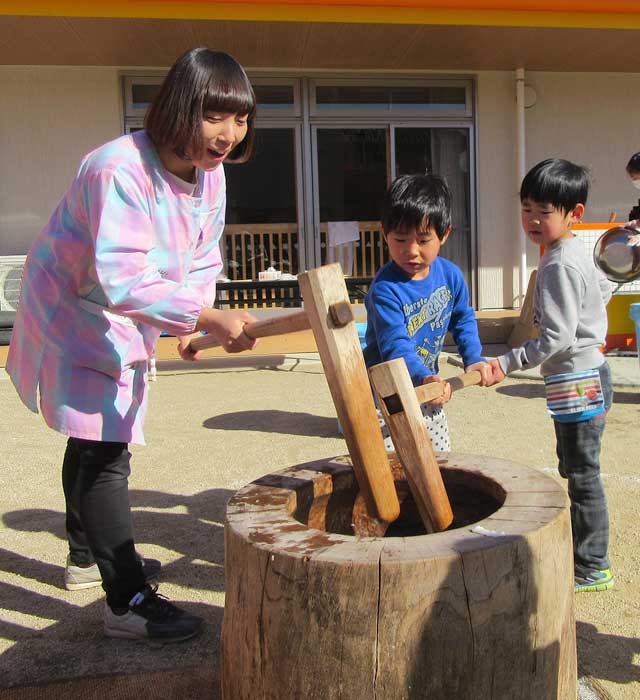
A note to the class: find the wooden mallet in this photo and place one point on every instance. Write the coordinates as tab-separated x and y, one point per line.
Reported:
400	402
331	318
276	325
340	312
326	301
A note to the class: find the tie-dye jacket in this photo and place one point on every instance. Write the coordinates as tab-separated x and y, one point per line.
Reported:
124	256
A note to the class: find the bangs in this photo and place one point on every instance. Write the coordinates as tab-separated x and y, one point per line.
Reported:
234	96
200	81
545	191
557	182
409	219
417	203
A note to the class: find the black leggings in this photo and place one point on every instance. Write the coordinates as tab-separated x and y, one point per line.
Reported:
99	527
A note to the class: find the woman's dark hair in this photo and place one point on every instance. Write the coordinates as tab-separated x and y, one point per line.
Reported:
557	182
415	203
200	81
633	166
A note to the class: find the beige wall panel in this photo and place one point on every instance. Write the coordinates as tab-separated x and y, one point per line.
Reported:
50	117
592	119
498	209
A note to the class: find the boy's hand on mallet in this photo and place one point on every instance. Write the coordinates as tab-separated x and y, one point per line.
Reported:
486	372
446	387
498	374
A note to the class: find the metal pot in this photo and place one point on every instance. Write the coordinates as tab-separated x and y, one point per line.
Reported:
615	255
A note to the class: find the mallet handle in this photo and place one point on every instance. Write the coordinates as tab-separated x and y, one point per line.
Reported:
412	442
275	325
426	392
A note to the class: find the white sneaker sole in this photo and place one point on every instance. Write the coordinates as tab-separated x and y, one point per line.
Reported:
70	586
81	585
114	633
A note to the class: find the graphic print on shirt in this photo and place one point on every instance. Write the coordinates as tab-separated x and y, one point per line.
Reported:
427	321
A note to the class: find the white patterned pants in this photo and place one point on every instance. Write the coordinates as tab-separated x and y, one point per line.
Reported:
437	425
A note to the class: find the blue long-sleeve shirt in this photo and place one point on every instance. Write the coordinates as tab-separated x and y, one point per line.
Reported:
410	318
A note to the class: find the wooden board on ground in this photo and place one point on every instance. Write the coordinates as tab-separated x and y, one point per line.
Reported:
344	367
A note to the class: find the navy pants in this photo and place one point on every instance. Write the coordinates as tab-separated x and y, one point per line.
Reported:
99	526
578	450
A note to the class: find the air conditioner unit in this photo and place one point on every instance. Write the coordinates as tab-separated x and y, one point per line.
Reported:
10	280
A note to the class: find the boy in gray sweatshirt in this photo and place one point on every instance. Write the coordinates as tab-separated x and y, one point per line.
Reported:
570	313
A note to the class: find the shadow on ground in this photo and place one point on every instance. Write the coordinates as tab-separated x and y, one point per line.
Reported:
628	397
524	390
58	636
607	656
273	421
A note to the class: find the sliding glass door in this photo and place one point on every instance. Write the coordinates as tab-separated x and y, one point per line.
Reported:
263	207
353	167
351	178
445	152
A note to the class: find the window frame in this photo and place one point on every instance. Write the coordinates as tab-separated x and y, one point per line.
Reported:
133	115
283	111
131	111
305	116
385	112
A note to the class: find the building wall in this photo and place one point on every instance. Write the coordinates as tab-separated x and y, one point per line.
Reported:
588	118
498	210
591	119
50	117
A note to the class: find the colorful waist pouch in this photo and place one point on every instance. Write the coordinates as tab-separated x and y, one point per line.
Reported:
574	396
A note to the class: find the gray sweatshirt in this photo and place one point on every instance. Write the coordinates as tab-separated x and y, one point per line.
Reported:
570	312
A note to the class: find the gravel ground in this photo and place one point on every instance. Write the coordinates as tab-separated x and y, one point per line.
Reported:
210	431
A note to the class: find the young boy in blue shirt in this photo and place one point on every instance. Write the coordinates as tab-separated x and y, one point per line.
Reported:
418	296
570	313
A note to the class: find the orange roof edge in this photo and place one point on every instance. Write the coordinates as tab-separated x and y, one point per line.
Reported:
614	14
610	6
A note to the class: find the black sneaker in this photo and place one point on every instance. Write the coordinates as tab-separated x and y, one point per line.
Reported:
151	617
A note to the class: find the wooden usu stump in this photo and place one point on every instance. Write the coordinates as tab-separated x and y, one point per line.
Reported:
482	611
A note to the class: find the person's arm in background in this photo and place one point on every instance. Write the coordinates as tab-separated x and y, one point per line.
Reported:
634	240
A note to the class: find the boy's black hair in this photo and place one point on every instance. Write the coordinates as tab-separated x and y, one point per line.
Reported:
415	203
201	80
557	182
633	166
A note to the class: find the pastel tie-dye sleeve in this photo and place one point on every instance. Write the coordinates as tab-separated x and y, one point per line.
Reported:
122	226
206	263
